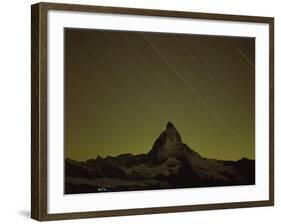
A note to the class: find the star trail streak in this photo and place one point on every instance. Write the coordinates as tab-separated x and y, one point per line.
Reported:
246	58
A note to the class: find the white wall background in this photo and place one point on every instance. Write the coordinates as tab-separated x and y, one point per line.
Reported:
15	111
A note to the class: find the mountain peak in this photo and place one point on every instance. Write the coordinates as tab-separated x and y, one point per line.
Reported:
172	132
167	143
170	125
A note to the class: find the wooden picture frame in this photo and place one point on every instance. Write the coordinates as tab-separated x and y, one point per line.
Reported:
39	108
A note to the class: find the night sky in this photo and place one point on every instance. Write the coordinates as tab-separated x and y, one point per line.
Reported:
121	89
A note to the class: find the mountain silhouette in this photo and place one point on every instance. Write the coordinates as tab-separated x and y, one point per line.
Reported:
169	164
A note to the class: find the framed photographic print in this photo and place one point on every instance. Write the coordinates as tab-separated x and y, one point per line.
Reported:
138	111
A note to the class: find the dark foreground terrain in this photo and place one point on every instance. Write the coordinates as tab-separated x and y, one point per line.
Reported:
169	164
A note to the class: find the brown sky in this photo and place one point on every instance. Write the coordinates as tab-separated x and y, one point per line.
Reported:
121	88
